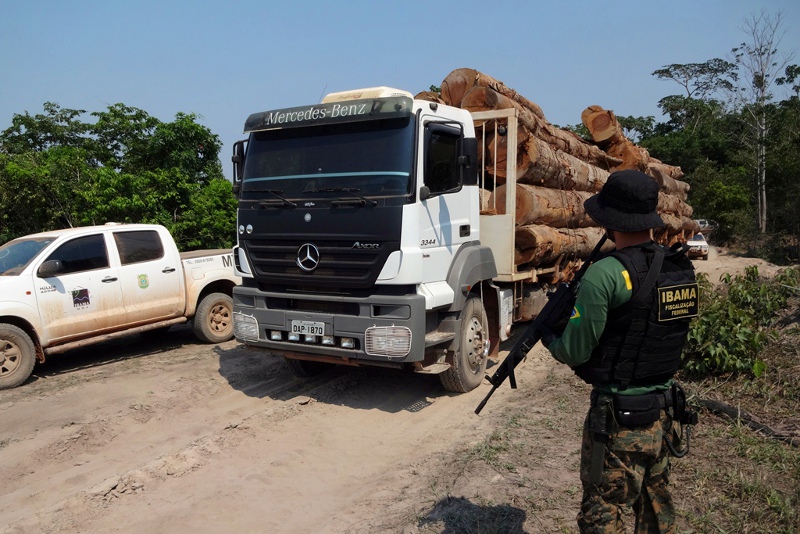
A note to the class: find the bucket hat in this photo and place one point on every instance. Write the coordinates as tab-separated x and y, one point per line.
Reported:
627	202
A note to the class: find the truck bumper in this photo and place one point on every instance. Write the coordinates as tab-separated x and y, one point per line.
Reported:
377	329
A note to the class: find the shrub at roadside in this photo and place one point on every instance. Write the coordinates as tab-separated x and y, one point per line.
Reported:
736	321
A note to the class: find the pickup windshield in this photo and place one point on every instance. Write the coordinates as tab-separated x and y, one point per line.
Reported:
18	253
370	159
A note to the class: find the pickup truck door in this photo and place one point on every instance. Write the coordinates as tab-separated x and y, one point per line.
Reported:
85	296
151	276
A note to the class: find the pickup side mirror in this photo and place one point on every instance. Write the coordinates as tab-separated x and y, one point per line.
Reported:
50	268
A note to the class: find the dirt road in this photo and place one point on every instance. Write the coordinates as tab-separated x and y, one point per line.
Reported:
168	435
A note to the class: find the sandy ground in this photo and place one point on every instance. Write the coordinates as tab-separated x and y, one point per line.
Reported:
169	435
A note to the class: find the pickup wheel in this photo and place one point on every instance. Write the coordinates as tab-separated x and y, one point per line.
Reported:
17	356
213	321
469	362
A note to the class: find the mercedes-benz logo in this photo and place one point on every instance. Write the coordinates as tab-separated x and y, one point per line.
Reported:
308	257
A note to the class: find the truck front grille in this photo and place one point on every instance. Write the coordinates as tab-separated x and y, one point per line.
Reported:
275	261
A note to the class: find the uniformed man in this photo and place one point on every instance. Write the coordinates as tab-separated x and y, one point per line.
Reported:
625	337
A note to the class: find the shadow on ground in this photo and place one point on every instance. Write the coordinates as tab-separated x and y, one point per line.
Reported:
457	515
258	374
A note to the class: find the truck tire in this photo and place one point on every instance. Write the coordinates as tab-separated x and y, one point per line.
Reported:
305	368
213	321
17	356
469	363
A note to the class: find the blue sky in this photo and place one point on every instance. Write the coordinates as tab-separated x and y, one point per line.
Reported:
225	60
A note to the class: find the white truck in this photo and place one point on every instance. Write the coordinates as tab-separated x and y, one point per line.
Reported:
64	289
362	239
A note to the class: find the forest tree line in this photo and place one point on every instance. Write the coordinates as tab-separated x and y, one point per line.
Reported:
733	128
60	170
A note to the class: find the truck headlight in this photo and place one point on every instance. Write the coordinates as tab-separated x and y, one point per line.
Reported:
245	327
389	341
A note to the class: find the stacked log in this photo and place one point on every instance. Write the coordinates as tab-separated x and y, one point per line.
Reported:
556	171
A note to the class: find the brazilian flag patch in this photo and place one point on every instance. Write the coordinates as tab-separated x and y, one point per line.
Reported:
678	302
575	315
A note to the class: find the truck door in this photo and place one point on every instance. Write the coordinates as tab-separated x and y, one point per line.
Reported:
150	276
85	295
445	223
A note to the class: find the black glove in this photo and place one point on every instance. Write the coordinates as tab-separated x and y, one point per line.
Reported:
557	325
546	334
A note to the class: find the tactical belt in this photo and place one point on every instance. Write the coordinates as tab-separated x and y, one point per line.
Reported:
631	411
638	410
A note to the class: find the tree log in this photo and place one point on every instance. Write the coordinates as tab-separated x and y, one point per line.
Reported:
537	244
667	183
542	205
540	164
460	81
737	415
607	132
430	96
673	205
485	99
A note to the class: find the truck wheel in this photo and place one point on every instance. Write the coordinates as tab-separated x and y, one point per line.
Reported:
17	356
705	256
213	321
305	368
469	363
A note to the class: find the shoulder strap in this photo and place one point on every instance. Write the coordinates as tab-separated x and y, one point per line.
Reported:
640	292
650	279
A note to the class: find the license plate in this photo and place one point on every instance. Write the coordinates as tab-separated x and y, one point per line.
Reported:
308	327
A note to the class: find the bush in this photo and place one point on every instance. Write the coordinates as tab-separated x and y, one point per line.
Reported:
736	321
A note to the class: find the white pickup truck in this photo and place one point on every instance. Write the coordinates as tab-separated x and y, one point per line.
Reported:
68	288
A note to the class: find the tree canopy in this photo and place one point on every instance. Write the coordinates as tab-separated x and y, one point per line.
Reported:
64	168
735	132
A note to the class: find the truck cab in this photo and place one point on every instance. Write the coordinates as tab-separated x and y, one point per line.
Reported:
359	236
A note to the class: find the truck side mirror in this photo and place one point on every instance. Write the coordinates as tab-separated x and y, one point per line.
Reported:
424	192
238	165
50	268
468	161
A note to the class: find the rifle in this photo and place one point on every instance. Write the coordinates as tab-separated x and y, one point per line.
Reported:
559	304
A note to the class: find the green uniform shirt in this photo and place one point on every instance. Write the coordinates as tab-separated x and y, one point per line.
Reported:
605	286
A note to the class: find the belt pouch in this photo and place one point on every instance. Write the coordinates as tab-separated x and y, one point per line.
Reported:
637	410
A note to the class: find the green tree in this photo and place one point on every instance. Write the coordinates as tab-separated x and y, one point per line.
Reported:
760	63
121	135
56	127
58	171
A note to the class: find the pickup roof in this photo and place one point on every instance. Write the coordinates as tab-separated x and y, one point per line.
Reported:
68	288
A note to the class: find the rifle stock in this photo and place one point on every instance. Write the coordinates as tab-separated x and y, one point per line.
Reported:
558	304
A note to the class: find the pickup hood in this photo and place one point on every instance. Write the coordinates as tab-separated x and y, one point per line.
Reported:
18	298
16	289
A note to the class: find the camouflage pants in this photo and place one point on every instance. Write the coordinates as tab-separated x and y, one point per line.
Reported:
635	471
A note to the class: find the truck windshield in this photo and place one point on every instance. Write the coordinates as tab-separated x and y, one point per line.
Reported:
18	253
370	159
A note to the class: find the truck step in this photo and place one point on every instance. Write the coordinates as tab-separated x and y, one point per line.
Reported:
436	337
433	369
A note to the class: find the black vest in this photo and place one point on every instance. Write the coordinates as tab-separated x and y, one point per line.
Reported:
642	341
